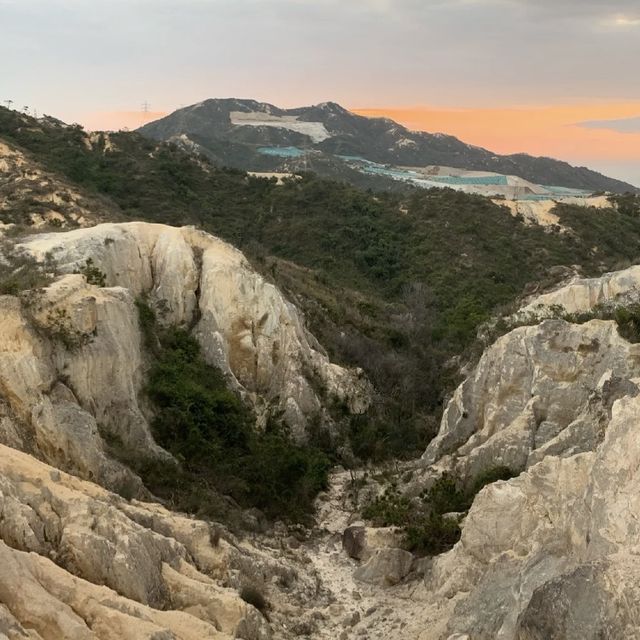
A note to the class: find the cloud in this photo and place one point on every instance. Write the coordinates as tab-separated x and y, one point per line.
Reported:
625	21
625	125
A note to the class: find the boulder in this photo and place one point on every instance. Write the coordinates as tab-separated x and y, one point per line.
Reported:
386	567
354	541
361	542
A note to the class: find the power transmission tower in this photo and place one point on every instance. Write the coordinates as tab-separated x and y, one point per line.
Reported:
145	107
8	103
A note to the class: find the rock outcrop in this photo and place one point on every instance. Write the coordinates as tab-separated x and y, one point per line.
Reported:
71	358
538	391
551	553
79	562
581	295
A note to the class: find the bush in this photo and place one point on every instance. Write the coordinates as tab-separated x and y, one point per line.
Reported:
432	535
20	273
213	436
92	274
390	509
254	596
628	321
427	528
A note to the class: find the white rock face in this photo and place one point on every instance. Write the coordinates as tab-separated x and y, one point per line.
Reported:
242	322
583	294
42	413
541	212
89	563
79	562
538	391
553	553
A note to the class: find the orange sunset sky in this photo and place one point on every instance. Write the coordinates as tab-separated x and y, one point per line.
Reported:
556	131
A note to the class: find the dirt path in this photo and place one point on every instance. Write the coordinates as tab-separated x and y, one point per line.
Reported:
360	610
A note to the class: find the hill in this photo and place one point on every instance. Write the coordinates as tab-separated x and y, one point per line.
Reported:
257	136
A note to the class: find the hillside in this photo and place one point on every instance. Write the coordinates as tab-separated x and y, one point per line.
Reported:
256	136
397	284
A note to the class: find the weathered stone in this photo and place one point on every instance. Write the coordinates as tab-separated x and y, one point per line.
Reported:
537	391
146	557
581	295
354	540
386	567
576	606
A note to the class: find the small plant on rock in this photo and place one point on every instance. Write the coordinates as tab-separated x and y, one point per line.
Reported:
58	328
93	274
431	522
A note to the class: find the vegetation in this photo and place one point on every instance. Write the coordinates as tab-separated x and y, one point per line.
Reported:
21	272
93	274
396	283
254	596
628	203
212	434
59	328
430	523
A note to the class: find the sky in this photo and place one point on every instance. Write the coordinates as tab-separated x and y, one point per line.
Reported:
547	77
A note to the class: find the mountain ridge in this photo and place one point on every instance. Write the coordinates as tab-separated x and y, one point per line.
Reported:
210	125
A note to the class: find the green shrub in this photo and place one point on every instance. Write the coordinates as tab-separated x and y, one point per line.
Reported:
628	320
390	509
427	529
447	496
93	274
431	535
212	434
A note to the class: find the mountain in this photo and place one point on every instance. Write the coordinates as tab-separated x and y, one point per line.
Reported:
261	137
